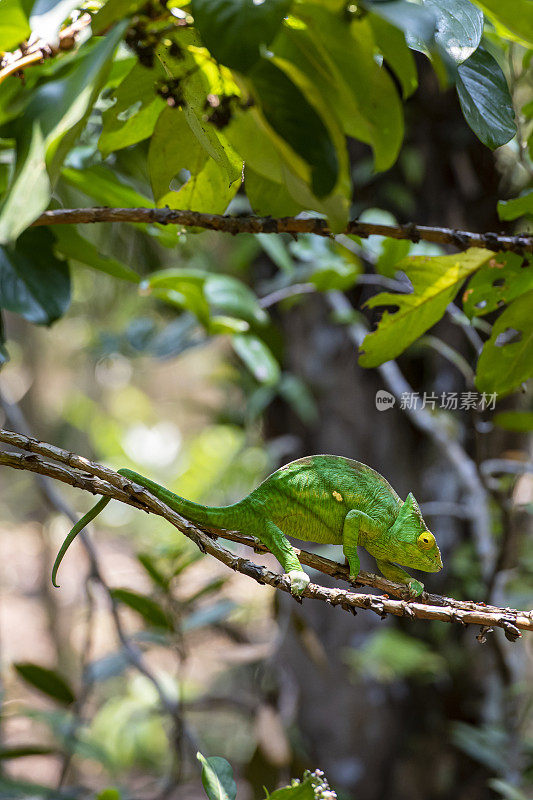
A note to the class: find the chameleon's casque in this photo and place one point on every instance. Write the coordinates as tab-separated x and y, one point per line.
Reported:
322	498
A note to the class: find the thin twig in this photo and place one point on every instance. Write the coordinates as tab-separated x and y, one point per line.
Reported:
519	243
449	610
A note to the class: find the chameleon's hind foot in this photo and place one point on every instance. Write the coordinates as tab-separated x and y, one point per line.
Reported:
415	588
299	581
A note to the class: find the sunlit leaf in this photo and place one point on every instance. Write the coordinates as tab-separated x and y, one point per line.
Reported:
14	26
435	283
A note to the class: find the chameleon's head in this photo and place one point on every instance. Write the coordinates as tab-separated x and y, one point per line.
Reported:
414	545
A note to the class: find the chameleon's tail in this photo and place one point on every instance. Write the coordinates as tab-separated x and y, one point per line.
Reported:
211	516
79	526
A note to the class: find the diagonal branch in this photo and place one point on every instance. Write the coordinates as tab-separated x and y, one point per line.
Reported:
102	480
520	243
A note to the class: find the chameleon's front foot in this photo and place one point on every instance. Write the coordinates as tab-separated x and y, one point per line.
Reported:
415	588
299	581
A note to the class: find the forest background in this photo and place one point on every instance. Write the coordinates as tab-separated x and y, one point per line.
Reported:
207	350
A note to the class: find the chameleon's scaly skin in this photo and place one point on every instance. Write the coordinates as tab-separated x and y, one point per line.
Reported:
322	498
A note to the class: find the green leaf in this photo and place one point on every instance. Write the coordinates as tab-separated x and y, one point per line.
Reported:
104	186
111	793
33	282
485	99
391	42
217	778
235	31
146	560
459	27
30	189
14	26
500	280
436	280
173	147
227	295
414	20
506	360
149	609
291	116
70	244
257	357
517	207
516	421
135	112
269	198
299	790
46	681
513	18
206	191
21	751
340	57
113	11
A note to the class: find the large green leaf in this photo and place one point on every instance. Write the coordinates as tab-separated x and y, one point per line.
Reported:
134	114
485	99
33	282
294	119
46	681
511	17
217	778
459	27
173	147
235	30
70	244
506	360
14	26
340	58
497	283
207	191
436	280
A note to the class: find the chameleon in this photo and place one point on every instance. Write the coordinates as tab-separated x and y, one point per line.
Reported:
325	499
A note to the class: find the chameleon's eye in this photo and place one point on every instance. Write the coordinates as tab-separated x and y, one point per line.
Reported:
426	540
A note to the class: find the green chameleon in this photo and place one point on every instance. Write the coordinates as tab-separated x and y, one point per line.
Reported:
325	499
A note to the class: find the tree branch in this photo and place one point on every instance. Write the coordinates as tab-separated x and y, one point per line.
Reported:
520	243
101	480
38	51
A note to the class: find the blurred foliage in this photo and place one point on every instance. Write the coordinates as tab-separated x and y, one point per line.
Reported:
170	104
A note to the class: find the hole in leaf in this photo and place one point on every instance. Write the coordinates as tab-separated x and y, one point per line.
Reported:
481	304
508	336
499	282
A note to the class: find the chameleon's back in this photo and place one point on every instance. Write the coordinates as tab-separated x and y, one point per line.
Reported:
309	498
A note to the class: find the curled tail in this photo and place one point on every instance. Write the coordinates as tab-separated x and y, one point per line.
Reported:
216	517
